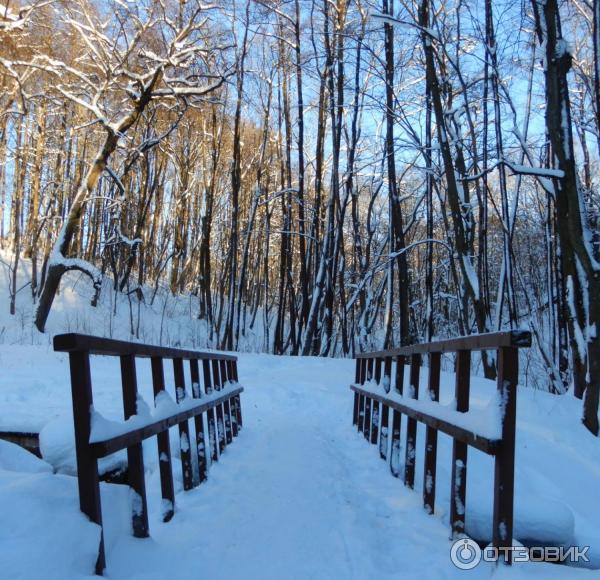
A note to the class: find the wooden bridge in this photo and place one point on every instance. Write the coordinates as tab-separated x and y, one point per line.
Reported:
380	398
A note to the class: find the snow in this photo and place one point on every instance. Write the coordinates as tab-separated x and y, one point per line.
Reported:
57	445
484	421
300	494
15	458
104	429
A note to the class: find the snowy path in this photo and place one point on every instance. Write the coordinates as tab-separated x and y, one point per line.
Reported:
298	495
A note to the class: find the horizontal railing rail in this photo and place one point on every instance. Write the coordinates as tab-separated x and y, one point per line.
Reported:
377	369
488	341
73	342
219	400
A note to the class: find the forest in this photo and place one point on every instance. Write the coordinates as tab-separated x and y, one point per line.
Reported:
343	175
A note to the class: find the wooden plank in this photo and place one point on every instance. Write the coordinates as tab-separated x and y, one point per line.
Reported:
458	482
356	395
164	447
431	437
489	341
375	404
504	469
135	453
219	408
489	446
361	398
73	342
107	446
234	402
87	465
226	404
397	420
199	422
385	410
411	424
368	411
238	399
185	443
212	425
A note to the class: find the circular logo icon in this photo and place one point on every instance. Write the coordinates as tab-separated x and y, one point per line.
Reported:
465	554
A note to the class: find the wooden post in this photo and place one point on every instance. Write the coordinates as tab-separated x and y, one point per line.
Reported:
411	424
87	465
135	454
219	408
397	421
367	422
212	428
233	401
361	399
234	377
458	482
431	436
508	377
184	431
375	417
198	421
164	447
385	410
226	404
356	397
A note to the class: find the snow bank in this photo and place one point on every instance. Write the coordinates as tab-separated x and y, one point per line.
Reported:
15	458
57	445
43	533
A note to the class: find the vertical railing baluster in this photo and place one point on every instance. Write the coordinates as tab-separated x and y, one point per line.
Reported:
164	447
361	398
219	408
135	454
397	420
233	401
210	414
184	431
375	417
459	449
226	405
504	468
385	410
356	382
411	424
238	406
198	421
431	436
88	480
367	429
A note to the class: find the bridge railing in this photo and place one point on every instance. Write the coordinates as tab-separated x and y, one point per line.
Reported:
371	415
219	401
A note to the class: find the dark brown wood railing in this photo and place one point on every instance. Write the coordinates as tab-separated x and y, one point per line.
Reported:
367	417
223	412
